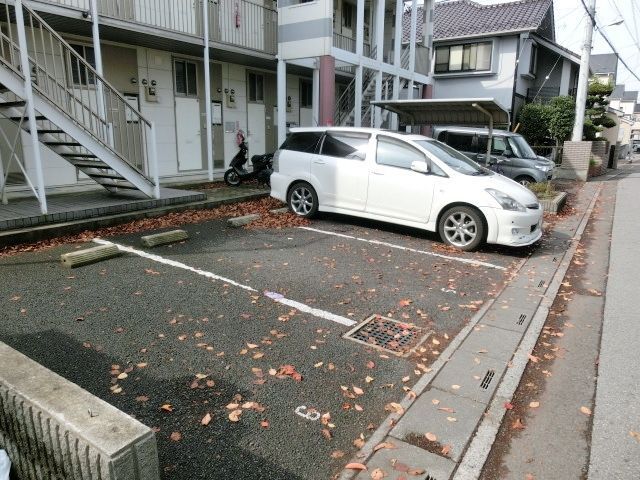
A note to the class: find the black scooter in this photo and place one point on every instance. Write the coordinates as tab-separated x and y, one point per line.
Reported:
262	168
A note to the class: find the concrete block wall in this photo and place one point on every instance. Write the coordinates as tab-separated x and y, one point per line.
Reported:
53	429
575	161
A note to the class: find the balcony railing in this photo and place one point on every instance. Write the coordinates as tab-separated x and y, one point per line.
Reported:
242	23
349	43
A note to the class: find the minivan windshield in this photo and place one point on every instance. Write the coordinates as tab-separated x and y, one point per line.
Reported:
521	148
452	157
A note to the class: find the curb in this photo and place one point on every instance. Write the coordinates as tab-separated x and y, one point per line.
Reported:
42	232
470	467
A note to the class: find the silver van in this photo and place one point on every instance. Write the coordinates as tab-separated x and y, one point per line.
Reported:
511	155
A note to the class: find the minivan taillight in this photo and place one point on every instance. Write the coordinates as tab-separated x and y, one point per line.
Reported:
276	163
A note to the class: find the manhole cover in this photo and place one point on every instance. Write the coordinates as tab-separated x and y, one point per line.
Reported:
388	334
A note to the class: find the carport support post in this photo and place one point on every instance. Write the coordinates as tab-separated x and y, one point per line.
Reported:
412	49
327	90
490	139
375	113
397	47
207	88
282	101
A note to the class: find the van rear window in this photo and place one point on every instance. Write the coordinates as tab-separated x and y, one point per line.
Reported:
302	142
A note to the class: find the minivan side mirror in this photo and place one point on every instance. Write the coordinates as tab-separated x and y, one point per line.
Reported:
420	167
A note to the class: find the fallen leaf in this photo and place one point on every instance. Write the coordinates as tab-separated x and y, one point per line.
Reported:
258	355
435	341
406	379
446	450
533	358
455	387
394	407
358	390
435	401
234	416
337	454
430	436
122	376
142	365
378	474
635	435
517	424
357	407
264	423
585	410
326	433
252	345
176	436
355	466
508	405
368	379
142	398
452	419
206	419
318	365
387	445
446	409
167	407
415	471
534	404
406	302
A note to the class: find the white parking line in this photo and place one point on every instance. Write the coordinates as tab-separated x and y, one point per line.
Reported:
276	297
413	250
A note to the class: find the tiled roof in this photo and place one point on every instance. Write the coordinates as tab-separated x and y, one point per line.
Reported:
618	92
461	18
604	63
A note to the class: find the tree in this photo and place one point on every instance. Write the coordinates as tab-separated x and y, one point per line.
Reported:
534	122
562	114
596	118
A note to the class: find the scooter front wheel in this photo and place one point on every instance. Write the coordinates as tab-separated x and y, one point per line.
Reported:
232	178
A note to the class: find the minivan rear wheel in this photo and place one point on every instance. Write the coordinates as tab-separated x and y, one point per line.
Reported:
462	227
303	200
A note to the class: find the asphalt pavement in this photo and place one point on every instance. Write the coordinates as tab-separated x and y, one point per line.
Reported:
206	339
615	445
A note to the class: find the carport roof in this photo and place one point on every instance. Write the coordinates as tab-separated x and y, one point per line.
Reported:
452	111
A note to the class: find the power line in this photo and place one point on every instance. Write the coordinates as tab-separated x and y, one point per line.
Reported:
633	37
593	21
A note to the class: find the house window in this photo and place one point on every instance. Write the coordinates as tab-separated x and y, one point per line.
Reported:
306	94
256	87
469	57
533	62
347	15
186	79
80	74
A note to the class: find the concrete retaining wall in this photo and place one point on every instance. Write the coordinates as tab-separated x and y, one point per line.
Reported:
53	429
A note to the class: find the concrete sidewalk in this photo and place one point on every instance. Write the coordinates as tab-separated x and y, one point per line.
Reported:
615	447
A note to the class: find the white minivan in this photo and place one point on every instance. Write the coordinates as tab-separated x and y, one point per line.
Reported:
405	179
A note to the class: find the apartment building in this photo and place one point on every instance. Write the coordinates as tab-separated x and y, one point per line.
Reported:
126	93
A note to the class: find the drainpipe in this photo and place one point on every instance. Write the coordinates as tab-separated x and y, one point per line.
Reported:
207	89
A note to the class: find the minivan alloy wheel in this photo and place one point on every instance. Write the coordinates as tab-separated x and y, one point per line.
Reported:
462	227
303	200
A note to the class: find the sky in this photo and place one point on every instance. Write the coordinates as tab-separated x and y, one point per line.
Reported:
570	18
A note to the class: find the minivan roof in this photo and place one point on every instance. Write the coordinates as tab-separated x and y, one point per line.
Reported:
405	135
496	132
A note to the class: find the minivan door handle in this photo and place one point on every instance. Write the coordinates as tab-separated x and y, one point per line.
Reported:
377	173
319	162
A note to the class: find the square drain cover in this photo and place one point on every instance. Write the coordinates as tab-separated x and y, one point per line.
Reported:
387	334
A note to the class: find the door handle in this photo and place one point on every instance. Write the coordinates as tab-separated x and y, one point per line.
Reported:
377	173
319	162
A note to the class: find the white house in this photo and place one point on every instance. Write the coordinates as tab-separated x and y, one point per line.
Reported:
120	95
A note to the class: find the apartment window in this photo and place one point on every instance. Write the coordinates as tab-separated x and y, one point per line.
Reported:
256	87
306	94
186	80
347	15
533	62
80	74
469	57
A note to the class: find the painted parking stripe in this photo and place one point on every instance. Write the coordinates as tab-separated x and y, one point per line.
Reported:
407	249
276	297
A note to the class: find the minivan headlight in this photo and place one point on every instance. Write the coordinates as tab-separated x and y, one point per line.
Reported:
506	201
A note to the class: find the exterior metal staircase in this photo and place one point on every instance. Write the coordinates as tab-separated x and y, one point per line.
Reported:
345	106
75	112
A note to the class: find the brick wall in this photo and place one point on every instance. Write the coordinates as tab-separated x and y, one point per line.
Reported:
575	161
600	153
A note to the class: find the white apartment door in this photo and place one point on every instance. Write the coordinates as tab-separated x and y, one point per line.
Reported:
188	130
256	129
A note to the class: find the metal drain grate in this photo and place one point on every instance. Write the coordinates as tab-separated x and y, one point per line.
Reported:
486	381
521	319
430	477
387	334
541	284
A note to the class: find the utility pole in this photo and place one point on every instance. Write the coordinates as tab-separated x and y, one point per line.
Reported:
583	78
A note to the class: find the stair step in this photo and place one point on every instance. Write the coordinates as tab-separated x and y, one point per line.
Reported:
20	103
117	185
43	131
113	176
38	117
62	144
78	155
86	164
